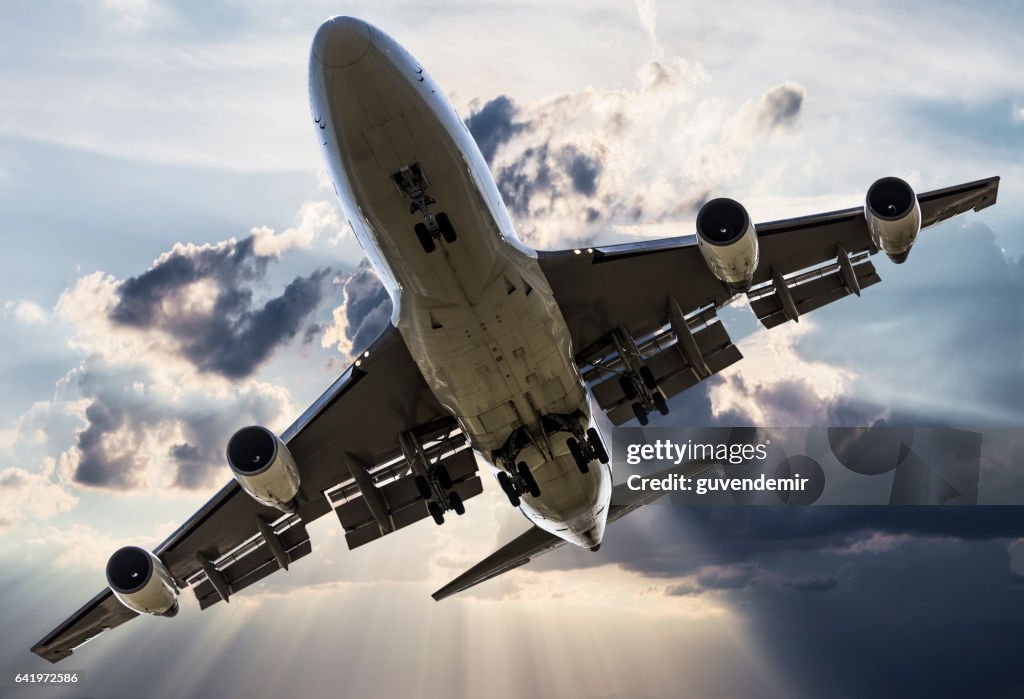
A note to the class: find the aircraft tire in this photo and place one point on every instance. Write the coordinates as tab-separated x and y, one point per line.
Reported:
426	240
445	226
455	500
506	485
647	376
627	387
531	482
595	441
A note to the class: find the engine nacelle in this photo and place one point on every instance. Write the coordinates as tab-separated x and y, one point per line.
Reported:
264	467
142	582
893	216
728	242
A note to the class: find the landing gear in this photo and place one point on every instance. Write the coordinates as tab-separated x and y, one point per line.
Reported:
426	240
587	447
577	455
516	480
412	183
433	481
510	489
659	403
594	439
637	381
529	482
640	412
647	376
455	501
445	226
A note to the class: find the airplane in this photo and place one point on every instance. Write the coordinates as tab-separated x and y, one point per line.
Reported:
494	350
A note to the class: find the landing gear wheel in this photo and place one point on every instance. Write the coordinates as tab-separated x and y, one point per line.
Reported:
660	404
423	487
528	479
445	226
595	441
443	477
641	413
577	455
426	240
436	512
647	376
506	484
627	387
455	500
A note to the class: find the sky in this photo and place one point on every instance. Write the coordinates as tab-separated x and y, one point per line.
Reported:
175	266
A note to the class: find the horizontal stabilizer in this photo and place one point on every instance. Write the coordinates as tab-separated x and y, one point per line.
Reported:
535	541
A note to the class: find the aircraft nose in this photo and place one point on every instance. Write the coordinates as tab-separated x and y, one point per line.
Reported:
341	41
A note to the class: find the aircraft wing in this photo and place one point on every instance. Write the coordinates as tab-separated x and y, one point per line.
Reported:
351	461
535	541
661	293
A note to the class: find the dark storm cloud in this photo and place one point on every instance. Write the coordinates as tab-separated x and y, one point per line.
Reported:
367	307
120	422
583	170
235	334
780	107
945	328
494	125
530	174
97	466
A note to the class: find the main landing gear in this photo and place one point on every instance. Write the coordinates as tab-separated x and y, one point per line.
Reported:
637	381
413	184
586	447
517	481
432	480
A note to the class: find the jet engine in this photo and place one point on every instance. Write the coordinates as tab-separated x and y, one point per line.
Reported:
142	582
264	467
893	216
728	242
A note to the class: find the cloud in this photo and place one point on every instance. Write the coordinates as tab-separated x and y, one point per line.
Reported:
170	361
647	13
493	125
362	315
201	298
26	312
141	433
315	219
27	496
568	166
779	107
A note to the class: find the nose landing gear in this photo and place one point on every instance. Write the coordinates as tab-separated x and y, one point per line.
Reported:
412	183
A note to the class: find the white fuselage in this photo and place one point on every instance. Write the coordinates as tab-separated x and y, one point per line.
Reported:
477	314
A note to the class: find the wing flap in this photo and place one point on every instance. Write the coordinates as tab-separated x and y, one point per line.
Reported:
255	569
809	292
403	501
664	355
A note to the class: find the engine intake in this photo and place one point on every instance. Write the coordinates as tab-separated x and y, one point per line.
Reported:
264	467
728	242
142	582
893	217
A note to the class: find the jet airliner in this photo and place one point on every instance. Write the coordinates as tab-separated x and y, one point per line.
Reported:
496	353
